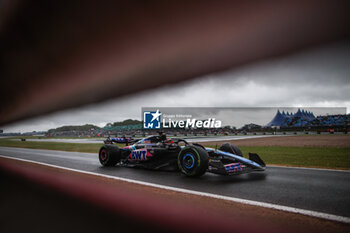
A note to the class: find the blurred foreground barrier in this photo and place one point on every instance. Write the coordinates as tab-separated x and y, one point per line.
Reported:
37	200
62	54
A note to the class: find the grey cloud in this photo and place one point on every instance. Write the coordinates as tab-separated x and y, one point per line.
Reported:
314	78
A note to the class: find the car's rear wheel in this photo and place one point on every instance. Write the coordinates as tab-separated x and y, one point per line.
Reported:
193	160
109	155
230	148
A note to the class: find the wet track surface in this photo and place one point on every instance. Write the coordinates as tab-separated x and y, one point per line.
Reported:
189	139
312	189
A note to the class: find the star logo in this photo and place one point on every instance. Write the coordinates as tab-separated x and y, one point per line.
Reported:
156	115
152	119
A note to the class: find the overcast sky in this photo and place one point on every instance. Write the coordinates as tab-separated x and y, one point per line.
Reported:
313	78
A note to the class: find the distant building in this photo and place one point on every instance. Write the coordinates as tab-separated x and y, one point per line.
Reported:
251	127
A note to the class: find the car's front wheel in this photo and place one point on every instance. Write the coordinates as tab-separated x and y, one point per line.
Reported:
193	160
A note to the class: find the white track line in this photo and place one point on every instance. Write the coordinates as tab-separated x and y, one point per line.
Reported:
187	191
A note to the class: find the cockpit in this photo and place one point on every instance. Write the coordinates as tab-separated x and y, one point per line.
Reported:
150	139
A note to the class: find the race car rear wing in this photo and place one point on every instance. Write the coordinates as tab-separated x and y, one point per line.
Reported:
125	140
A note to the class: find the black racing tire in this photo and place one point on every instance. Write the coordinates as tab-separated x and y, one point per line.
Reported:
193	160
230	148
109	155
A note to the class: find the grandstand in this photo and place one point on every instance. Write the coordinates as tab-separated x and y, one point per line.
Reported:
306	119
299	119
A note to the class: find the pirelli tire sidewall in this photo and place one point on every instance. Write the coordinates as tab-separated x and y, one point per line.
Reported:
193	160
109	155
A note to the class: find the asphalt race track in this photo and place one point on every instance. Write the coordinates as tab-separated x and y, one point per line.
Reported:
189	139
319	190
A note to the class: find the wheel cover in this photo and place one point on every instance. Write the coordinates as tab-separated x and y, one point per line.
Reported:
188	161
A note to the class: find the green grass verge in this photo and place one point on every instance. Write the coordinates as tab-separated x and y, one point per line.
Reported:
78	147
43	137
322	157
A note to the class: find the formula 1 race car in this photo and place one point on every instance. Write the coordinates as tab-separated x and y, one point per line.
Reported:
159	153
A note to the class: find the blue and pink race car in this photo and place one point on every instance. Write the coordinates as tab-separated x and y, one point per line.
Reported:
159	153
